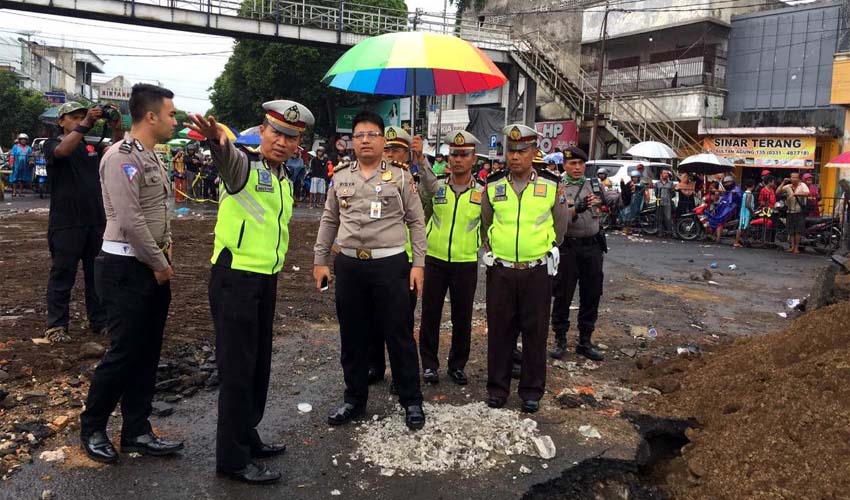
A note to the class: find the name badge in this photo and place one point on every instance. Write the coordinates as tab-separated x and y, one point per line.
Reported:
375	210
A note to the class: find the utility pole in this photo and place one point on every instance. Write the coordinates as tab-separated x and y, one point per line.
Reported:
439	98
596	113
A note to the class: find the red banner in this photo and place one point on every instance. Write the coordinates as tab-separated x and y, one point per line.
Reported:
556	135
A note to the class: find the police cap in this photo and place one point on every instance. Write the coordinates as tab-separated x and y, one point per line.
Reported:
288	117
397	136
573	152
520	137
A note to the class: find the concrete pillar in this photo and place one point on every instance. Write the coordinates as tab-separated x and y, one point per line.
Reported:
529	102
513	87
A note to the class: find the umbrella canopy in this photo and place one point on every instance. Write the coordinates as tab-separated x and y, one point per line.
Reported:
652	150
414	63
705	163
840	161
249	136
178	142
188	133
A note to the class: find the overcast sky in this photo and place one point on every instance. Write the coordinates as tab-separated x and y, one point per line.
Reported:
189	76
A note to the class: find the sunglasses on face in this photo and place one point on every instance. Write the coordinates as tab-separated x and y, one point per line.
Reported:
362	135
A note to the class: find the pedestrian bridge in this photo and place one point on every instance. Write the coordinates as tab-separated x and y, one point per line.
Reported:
319	22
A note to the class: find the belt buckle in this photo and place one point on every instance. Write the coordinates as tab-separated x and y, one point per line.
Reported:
520	265
364	254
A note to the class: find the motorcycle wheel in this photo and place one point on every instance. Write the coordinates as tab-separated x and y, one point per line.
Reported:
648	223
828	241
688	228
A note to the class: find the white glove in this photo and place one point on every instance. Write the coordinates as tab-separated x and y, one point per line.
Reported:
553	258
489	259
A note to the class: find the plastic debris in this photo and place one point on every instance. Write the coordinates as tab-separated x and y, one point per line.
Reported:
732	267
296	268
652	333
714	265
336	493
305	407
783	314
589	432
525	470
687	349
182	211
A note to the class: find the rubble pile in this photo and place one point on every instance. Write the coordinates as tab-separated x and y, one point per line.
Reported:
470	438
773	413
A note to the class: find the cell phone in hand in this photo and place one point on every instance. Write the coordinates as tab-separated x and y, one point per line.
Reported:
324	284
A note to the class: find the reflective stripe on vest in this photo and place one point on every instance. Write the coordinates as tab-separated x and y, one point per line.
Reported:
523	228
453	231
253	223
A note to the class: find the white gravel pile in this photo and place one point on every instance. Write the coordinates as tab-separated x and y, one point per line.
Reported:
468	438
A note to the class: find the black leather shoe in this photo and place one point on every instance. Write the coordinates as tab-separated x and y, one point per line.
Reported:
99	448
150	444
559	350
589	352
267	450
253	473
496	401
516	371
414	417
346	413
458	377
530	406
393	389
430	376
375	375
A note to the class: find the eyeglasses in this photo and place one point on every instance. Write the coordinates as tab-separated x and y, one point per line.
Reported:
359	136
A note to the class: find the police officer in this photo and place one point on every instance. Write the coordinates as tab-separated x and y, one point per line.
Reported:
581	255
369	210
251	240
522	217
451	263
132	276
396	153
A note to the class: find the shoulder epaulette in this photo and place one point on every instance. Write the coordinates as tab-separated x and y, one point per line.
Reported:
341	166
497	175
546	174
399	164
480	182
125	147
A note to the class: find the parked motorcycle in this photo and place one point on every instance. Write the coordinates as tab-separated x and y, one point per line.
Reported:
695	225
823	234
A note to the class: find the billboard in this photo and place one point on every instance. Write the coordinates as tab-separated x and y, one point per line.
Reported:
764	151
556	135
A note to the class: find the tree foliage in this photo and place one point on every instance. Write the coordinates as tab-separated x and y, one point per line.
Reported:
260	71
21	109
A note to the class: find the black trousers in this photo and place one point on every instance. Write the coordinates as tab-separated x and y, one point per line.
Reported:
460	279
377	344
136	310
517	301
243	307
374	296
68	247
582	265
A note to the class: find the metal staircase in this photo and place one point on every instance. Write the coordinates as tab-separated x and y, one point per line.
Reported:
628	120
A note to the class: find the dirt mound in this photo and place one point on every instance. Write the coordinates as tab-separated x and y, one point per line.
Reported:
774	411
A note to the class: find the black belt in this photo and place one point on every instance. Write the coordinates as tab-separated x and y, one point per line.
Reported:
581	242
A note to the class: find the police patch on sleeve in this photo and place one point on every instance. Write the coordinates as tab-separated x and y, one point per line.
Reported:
130	170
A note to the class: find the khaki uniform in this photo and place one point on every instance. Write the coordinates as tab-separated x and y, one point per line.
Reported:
135	199
349	217
370	218
135	194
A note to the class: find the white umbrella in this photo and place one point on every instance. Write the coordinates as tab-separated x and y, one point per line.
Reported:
705	163
652	149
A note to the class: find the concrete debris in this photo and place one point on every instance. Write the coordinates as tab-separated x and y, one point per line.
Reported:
470	438
388	472
47	495
57	455
91	350
336	493
545	447
162	409
525	470
570	366
589	432
305	407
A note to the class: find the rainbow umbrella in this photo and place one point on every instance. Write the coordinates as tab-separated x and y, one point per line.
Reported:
414	63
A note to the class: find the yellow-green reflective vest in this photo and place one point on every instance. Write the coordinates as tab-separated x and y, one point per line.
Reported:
253	222
454	229
523	228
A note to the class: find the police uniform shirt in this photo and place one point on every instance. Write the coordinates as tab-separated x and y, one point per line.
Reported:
234	166
585	224
135	199
559	210
351	214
